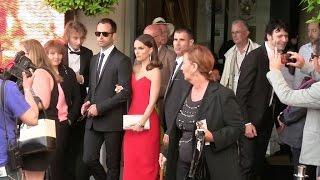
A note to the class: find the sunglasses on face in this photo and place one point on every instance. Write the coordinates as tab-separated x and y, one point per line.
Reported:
105	34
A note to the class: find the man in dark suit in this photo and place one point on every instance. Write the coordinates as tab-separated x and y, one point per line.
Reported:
255	96
78	58
182	41
104	107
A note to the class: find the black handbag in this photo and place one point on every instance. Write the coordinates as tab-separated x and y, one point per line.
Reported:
198	169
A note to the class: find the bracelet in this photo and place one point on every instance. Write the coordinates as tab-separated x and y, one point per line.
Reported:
26	89
141	125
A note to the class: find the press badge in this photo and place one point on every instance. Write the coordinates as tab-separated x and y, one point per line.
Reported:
3	172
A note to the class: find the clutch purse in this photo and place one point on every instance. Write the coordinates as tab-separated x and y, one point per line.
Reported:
131	120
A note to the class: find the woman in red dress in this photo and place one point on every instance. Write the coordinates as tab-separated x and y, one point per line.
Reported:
141	147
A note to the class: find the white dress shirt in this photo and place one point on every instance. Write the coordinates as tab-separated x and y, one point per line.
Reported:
73	60
179	61
106	53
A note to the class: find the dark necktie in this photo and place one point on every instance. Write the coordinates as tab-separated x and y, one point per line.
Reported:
100	64
74	52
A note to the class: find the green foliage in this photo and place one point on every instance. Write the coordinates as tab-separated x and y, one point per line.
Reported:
312	7
89	7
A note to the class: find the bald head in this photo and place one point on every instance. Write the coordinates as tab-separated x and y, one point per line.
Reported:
154	31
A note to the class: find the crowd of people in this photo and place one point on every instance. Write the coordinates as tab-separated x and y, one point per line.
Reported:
175	88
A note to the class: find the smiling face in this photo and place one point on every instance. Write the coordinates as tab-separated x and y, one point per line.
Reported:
141	51
278	38
55	57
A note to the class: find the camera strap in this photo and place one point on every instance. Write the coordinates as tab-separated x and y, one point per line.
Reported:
3	108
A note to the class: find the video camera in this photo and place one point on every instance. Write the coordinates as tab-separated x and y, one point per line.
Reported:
20	64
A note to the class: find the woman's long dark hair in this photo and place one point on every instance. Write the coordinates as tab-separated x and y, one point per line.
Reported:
148	41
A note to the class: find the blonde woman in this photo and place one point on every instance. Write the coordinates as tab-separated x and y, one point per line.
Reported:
45	87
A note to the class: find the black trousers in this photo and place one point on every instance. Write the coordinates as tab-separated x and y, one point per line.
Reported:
58	166
252	154
91	153
182	170
77	170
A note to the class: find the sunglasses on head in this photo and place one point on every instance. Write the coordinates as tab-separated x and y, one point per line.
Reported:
105	34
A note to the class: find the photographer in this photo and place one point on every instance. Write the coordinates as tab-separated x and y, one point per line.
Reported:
308	98
17	106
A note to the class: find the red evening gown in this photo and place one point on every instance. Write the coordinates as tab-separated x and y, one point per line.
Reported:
141	149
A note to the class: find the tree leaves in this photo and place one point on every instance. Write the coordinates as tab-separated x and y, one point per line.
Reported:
89	7
312	6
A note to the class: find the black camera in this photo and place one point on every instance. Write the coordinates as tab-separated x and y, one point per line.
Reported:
21	64
14	157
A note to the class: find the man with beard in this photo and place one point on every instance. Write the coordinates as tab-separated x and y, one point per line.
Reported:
255	96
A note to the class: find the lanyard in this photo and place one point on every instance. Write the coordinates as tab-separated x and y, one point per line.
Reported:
238	68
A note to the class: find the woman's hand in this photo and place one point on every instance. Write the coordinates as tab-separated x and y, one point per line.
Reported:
118	88
208	136
137	127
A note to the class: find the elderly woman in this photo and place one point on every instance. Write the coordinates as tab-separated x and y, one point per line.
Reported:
308	98
214	105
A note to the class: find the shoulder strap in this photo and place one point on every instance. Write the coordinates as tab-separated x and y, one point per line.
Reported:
3	107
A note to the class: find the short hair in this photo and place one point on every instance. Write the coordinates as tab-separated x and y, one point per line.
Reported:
149	41
275	24
109	21
186	30
76	26
242	22
203	57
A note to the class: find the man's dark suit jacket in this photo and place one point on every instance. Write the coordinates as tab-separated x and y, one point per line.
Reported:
171	97
71	92
110	105
254	90
85	57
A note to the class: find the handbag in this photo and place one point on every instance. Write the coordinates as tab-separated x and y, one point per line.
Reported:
39	138
131	120
198	169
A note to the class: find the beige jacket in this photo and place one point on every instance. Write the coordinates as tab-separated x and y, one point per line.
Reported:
228	71
167	57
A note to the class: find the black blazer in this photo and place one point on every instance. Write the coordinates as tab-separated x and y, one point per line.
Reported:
224	120
110	105
171	97
254	91
71	91
85	57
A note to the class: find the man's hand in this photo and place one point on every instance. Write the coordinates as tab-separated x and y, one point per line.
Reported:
80	78
165	139
85	107
300	61
162	160
92	110
250	131
316	64
118	88
27	81
275	61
